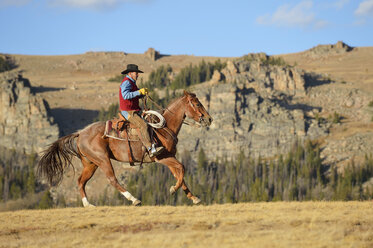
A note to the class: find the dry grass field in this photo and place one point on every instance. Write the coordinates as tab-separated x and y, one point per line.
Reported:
355	67
280	224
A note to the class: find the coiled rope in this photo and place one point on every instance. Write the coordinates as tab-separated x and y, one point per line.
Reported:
162	120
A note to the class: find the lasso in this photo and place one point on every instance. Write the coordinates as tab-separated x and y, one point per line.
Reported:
161	122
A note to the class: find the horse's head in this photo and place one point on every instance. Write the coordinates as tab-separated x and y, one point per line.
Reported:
196	111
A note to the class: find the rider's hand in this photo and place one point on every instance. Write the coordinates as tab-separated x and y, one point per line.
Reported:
143	91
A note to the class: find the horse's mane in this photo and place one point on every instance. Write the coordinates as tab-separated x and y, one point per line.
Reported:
176	99
173	101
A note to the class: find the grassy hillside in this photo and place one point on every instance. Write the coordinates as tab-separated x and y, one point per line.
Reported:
281	224
354	68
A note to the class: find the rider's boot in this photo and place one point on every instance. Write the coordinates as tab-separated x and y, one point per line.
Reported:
154	151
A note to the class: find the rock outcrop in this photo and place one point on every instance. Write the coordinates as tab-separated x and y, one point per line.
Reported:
268	79
152	54
330	49
253	111
263	108
244	120
24	121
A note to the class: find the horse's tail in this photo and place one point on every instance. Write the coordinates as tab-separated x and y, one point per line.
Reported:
56	158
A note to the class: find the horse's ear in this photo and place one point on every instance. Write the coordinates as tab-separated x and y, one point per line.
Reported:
186	93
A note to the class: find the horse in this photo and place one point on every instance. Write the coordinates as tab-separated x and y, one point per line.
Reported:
95	151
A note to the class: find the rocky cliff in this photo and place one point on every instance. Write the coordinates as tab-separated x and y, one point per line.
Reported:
252	112
262	109
24	121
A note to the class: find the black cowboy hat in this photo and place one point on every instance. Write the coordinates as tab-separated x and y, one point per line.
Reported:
132	68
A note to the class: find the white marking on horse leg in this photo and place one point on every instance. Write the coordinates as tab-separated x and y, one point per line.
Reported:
86	203
131	198
173	190
196	200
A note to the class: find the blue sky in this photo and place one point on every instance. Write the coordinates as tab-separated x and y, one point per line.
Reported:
201	28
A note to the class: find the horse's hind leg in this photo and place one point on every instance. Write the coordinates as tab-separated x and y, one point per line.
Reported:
189	194
109	172
177	169
89	169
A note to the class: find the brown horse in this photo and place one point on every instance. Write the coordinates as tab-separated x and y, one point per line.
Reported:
95	151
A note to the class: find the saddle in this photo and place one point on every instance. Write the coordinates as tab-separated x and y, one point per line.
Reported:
120	128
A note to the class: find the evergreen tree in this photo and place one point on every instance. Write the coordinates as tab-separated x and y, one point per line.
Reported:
61	202
15	191
1	186
202	160
46	200
30	180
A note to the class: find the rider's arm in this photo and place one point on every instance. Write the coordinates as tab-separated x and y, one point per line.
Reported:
125	88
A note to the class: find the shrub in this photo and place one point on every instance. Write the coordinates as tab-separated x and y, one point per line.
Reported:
273	61
335	118
5	64
117	78
319	119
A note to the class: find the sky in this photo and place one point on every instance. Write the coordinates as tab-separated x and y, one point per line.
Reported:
173	27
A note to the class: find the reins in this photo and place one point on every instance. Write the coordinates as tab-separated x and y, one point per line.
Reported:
147	96
186	122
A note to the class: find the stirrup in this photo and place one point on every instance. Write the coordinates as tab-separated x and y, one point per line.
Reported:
155	151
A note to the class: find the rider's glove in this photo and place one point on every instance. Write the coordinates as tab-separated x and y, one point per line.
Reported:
143	91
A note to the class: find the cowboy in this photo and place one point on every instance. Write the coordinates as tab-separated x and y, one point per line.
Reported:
129	95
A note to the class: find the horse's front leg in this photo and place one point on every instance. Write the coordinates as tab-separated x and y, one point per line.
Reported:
178	170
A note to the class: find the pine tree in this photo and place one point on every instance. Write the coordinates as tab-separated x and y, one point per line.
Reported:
15	191
31	182
61	202
1	186
46	201
202	160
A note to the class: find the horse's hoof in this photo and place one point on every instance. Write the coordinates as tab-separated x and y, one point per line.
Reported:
196	200
172	190
89	206
136	203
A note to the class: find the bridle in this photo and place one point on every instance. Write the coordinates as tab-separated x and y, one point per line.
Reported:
195	109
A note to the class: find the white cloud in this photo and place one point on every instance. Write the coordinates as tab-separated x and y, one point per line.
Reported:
300	15
339	4
91	4
14	2
365	8
320	24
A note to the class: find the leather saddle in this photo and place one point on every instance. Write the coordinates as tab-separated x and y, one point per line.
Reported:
120	128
